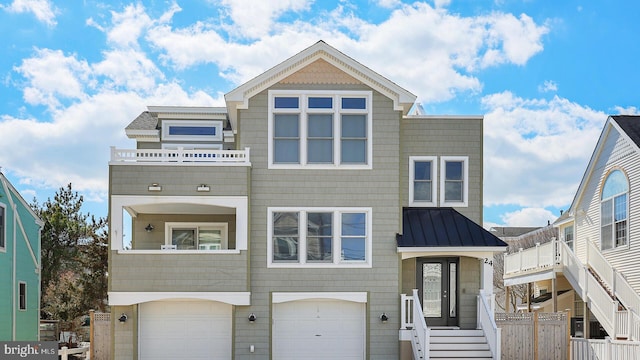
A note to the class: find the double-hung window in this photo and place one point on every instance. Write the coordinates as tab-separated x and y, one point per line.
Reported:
614	210
196	236
422	181
568	236
454	180
319	237
320	129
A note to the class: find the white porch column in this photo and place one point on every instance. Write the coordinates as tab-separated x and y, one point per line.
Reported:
486	275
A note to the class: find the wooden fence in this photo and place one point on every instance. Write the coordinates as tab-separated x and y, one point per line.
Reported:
534	336
100	335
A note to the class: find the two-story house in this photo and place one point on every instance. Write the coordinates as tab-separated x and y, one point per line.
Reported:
287	224
595	255
19	266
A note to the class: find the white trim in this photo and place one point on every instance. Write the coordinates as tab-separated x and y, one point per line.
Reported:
336	262
465	179
216	124
195	146
336	110
547	275
477	252
239	203
179	252
281	297
124	298
434	181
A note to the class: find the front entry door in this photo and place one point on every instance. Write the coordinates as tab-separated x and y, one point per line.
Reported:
438	288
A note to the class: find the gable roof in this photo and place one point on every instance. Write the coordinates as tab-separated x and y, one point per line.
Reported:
628	126
239	97
443	227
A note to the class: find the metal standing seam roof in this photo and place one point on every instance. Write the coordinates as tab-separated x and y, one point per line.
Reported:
443	227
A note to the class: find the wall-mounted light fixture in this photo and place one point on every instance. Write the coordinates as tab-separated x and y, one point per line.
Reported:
149	228
123	318
252	318
155	187
203	187
384	317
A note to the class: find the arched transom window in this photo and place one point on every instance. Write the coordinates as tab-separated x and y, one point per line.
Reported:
614	211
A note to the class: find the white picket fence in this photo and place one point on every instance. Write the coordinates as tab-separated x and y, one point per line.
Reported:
65	352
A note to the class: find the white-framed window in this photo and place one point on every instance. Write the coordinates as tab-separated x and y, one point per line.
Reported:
319	237
454	181
568	236
22	295
196	236
192	130
614	211
320	129
3	226
422	181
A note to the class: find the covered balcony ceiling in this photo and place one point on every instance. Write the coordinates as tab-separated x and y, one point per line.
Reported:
178	208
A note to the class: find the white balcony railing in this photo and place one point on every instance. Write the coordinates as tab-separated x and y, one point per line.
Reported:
180	155
602	292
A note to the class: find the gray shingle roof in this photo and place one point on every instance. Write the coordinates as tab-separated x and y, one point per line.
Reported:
630	124
144	121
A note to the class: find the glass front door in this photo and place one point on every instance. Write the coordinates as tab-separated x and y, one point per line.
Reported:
438	288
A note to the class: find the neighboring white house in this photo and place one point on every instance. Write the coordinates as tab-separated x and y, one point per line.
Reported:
598	249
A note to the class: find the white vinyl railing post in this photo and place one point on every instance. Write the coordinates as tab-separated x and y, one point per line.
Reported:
520	252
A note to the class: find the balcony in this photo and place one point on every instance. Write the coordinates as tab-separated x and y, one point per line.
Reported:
180	156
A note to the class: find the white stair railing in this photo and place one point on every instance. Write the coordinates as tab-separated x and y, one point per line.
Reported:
413	319
487	323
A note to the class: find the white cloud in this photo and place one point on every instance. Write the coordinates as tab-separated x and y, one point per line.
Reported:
528	217
443	50
548	86
629	110
255	19
52	77
556	137
43	10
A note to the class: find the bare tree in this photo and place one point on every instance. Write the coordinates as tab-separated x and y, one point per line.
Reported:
517	293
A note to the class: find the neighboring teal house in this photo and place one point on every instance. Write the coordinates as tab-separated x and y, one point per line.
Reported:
19	266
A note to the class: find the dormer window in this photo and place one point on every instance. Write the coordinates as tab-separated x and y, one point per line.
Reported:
191	130
320	129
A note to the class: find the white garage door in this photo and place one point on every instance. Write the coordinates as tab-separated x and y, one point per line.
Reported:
319	329
184	330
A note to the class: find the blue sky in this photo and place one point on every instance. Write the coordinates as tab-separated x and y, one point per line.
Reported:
545	74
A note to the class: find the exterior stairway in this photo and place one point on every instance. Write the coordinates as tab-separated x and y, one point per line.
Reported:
457	344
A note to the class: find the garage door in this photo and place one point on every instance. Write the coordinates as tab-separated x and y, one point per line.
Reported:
319	329
184	330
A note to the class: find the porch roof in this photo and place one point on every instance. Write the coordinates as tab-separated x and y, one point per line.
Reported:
443	227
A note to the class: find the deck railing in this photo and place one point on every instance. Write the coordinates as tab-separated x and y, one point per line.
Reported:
486	321
606	349
181	156
617	320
